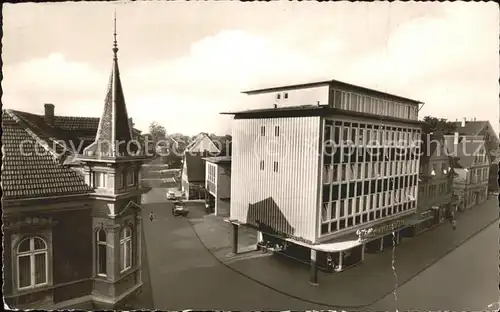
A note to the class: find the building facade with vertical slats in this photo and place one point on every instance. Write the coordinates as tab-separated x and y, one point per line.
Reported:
275	174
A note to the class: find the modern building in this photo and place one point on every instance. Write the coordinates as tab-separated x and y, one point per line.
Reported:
471	182
436	173
326	179
71	216
218	184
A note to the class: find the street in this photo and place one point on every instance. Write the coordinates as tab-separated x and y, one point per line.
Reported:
184	275
180	273
464	280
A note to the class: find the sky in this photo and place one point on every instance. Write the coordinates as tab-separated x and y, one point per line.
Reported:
182	63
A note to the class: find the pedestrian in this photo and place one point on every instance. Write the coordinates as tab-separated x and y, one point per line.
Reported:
454	223
151	216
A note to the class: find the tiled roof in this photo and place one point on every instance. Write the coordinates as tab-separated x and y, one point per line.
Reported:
65	128
466	149
28	170
471	127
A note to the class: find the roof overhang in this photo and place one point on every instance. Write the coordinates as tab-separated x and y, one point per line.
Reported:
312	111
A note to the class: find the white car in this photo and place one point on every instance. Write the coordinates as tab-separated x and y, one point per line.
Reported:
171	195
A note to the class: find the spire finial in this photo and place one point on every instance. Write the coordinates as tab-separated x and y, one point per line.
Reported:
115	44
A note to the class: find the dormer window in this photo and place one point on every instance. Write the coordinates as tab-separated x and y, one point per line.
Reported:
285	96
278	96
100	179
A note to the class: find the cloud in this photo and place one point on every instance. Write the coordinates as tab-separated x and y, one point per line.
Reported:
438	58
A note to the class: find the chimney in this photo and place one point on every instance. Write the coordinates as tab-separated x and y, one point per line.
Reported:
463	121
455	139
49	114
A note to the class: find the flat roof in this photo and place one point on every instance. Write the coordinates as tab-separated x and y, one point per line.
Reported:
333	83
218	159
311	110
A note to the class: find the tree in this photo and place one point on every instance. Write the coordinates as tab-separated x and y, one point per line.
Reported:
438	126
157	131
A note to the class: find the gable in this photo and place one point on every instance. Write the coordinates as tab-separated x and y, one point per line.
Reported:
204	144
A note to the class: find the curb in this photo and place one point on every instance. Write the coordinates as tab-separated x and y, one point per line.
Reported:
342	306
439	258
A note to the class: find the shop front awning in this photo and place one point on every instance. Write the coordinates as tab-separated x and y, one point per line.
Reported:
351	240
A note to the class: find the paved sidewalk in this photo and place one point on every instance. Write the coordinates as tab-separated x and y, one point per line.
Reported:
216	235
359	286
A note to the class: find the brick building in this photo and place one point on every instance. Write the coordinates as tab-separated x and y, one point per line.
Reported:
72	225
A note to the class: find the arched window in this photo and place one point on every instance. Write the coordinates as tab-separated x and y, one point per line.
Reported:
125	249
101	252
32	263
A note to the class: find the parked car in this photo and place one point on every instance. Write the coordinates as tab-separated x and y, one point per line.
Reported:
179	209
171	195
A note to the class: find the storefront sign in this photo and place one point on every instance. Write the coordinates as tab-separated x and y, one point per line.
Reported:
372	232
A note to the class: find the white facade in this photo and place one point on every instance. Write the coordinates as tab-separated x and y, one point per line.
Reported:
335	97
275	171
204	144
218	184
287	98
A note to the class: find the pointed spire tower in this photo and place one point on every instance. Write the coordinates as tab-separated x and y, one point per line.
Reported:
112	167
114	134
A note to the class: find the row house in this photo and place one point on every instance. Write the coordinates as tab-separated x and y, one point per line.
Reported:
471	182
329	179
491	142
72	217
436	173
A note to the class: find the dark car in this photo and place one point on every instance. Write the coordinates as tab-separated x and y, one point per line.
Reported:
179	209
